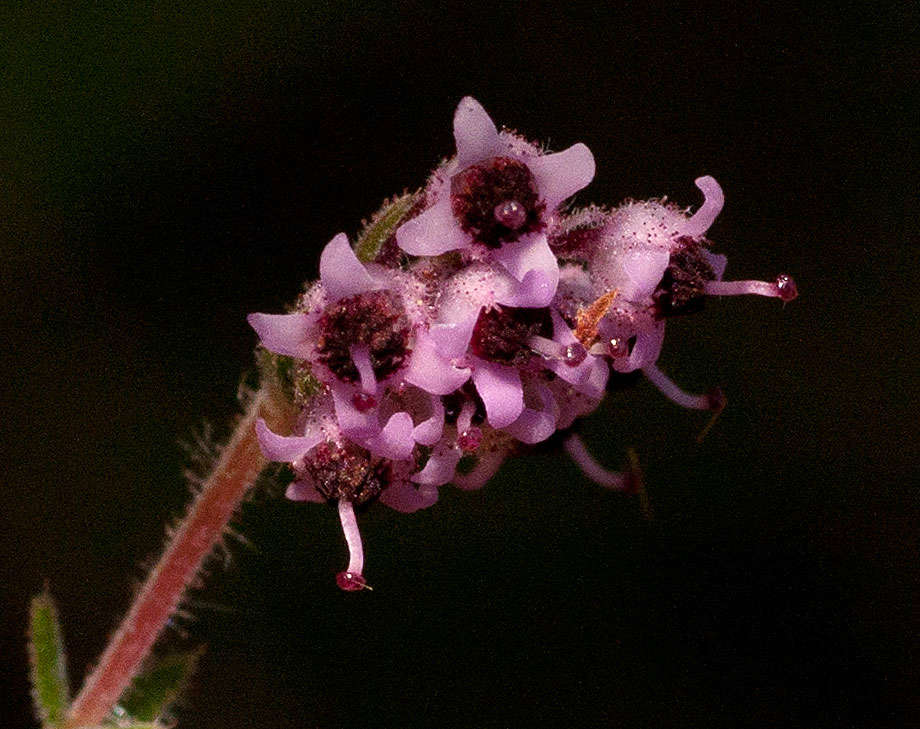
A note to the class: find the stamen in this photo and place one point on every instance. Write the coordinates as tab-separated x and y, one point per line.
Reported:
361	356
352	578
548	348
617	347
782	288
575	354
465	418
511	214
712	205
470	439
578	452
712	400
362	401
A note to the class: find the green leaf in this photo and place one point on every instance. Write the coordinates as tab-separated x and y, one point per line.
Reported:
50	689
154	690
384	223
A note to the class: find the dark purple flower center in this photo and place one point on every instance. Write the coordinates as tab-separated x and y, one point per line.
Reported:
375	319
501	333
496	201
345	472
681	290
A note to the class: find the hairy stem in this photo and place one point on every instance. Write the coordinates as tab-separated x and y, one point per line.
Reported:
237	468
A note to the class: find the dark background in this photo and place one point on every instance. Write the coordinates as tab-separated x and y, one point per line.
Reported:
164	171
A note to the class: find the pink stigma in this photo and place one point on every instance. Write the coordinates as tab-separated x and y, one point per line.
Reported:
511	214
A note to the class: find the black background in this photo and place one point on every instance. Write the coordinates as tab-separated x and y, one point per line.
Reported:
163	172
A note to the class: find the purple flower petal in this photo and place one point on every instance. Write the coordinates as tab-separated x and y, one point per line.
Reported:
353	422
301	491
533	263
284	448
283	333
562	174
404	497
501	391
341	272
713	201
645	351
432	372
440	467
535	426
474	132
395	440
452	340
590	376
433	232
429	431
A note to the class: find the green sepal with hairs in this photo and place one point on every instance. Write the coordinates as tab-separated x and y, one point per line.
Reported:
48	674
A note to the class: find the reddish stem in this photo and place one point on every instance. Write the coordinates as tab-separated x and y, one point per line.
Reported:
236	469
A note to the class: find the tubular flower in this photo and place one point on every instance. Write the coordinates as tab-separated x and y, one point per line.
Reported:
433	372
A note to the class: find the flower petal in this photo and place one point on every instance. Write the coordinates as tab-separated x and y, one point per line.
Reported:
535	426
395	440
645	351
283	333
562	174
501	392
440	467
713	200
341	272
433	232
432	372
429	431
533	263
302	491
586	377
405	497
353	422
284	448
474	133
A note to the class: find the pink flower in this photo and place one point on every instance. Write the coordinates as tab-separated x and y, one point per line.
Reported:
331	468
483	332
355	334
498	195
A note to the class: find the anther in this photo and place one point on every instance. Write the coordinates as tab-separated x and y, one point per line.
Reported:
470	439
350	581
363	401
511	214
575	354
786	288
617	347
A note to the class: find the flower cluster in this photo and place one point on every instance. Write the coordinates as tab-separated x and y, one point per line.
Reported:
489	316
